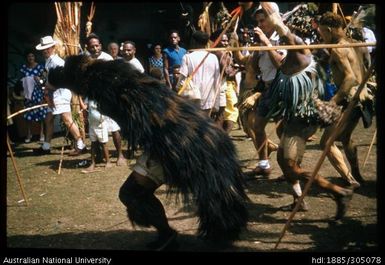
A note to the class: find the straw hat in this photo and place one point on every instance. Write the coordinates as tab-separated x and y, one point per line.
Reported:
45	43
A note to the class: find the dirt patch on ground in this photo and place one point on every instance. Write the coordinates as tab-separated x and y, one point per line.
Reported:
82	211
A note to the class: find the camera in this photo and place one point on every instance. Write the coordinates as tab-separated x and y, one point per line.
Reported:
248	35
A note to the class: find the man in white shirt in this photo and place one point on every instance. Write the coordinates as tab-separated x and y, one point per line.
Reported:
59	101
205	81
94	48
128	53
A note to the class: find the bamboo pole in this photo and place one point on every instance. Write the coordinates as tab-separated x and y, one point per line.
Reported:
329	142
370	148
16	170
89	19
342	14
61	159
69	33
290	47
34	107
334	8
27	109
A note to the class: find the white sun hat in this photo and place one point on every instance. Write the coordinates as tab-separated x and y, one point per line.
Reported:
45	43
274	6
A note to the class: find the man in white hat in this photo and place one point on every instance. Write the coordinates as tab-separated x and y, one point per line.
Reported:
59	101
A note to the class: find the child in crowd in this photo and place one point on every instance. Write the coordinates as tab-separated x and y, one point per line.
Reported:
176	74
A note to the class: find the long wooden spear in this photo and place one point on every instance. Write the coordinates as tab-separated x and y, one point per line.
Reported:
16	170
329	142
26	109
34	107
289	47
370	148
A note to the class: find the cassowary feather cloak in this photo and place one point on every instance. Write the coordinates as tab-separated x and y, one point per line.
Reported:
198	158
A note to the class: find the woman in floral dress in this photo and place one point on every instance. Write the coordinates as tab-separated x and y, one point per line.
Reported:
33	93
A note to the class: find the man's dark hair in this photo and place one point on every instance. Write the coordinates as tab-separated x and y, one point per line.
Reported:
332	20
129	42
200	37
173	31
156	44
92	36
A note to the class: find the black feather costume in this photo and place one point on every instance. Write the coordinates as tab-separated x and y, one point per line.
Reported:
198	159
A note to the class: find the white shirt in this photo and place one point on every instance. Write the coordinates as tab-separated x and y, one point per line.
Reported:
105	56
111	125
268	70
136	63
206	78
369	37
53	61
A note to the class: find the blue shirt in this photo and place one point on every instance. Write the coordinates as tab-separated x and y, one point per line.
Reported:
174	56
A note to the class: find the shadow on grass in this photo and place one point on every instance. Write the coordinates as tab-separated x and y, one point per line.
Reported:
113	240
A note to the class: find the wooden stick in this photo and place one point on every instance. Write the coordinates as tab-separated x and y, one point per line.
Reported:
290	47
27	109
370	148
61	159
329	142
35	107
342	14
16	170
334	8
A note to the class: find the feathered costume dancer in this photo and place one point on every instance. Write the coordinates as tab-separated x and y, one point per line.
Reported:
197	158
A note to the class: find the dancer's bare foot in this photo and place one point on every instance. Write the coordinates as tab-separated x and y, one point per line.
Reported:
90	169
343	201
108	165
121	162
311	138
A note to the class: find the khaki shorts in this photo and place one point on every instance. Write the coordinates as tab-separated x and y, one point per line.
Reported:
150	168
